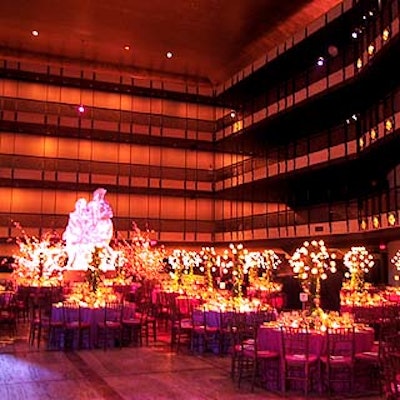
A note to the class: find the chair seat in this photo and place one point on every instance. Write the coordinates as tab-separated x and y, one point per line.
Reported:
199	328
56	324
244	346
72	325
267	354
301	358
264	354
6	314
337	360
131	321
371	356
110	324
186	324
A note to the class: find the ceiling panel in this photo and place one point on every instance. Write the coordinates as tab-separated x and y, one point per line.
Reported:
211	39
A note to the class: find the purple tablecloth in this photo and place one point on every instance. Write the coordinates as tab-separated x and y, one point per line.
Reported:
90	315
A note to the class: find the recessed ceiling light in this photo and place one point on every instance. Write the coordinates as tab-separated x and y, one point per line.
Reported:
35	33
169	54
127	47
81	108
320	61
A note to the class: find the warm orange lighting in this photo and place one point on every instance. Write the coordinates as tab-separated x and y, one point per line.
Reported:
392	219
35	33
127	47
388	125
363	224
361	142
373	134
376	221
359	63
237	126
371	49
386	34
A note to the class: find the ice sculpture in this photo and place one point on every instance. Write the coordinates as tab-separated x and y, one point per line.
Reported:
89	226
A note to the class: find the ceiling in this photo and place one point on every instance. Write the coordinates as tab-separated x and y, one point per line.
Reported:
210	39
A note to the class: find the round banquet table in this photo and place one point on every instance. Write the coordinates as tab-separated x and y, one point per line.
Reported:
90	315
222	319
269	338
370	314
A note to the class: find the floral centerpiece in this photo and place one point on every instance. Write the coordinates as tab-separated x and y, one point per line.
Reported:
142	258
95	273
359	262
311	264
395	260
83	294
262	265
234	260
39	262
181	264
210	265
320	321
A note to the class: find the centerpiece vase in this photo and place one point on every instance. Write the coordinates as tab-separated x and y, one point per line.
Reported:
357	282
237	291
209	276
316	301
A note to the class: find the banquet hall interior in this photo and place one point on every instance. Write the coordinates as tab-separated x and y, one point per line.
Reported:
199	199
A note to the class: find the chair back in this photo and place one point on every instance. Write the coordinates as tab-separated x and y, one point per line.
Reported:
340	342
71	313
391	375
198	317
7	300
113	312
295	341
128	310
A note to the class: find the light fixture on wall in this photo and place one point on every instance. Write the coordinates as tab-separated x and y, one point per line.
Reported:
363	224
376	221
391	218
388	125
320	61
386	34
356	33
371	49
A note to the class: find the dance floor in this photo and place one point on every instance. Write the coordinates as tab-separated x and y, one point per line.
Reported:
137	373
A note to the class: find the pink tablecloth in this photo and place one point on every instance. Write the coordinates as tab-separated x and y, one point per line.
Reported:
269	338
186	304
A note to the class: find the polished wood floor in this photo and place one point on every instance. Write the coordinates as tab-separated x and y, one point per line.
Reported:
139	373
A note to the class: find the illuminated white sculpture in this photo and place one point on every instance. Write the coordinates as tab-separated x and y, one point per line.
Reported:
90	226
